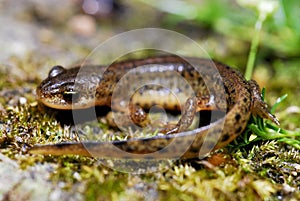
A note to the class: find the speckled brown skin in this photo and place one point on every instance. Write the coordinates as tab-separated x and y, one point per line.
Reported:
240	99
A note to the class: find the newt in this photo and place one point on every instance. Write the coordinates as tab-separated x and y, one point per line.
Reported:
89	86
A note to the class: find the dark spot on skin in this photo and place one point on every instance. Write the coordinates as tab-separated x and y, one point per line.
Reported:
194	149
141	91
146	105
225	137
237	117
177	107
127	148
152	103
245	100
249	90
187	86
238	130
200	80
210	145
226	89
191	74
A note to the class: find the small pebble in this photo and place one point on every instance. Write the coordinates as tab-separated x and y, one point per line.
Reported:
83	25
22	100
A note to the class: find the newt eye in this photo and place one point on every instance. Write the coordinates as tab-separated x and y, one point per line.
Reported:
70	96
56	70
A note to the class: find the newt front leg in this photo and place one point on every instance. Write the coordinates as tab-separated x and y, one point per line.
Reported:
192	105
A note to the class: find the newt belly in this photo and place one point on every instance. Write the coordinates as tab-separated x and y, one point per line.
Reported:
192	83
